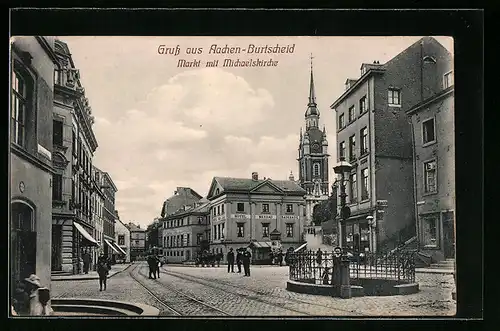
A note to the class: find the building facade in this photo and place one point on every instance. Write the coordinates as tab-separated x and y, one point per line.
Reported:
313	157
137	241
183	196
184	232
73	222
110	216
122	236
98	212
374	135
31	170
434	166
255	213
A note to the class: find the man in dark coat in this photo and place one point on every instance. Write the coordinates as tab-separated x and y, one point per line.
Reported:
157	266
246	262
86	262
239	259
230	260
103	267
152	266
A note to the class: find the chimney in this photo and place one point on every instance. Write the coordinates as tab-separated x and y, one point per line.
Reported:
255	176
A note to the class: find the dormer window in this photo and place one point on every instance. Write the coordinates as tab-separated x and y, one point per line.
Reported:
363	70
217	191
429	60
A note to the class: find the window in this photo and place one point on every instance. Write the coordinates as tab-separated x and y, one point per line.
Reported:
137	242
222	208
188	243
354	188
448	79
265	230
342	149
57	187
362	105
222	231
352	147
57	76
121	240
341	121
240	207
289	208
218	210
218	231
394	97
199	238
364	184
57	136
430	230
217	191
430	185
265	208
19	104
428	131
351	114
240	229
200	219
316	170
289	229
364	140
215	232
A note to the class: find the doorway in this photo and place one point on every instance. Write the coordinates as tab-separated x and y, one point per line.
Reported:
56	248
448	235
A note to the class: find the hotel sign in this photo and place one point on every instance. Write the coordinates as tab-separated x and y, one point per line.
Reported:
265	217
290	217
240	216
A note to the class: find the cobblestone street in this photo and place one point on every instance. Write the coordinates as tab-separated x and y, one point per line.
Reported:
193	291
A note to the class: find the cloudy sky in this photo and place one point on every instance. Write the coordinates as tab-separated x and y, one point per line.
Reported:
159	126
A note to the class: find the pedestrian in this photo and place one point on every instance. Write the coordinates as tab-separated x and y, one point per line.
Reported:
86	262
246	262
157	266
230	260
218	257
36	305
239	259
103	268
325	276
280	257
319	259
152	266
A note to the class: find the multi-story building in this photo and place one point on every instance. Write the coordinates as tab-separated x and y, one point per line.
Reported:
110	215
72	185
313	157
434	164
374	135
31	170
122	235
137	241
98	212
185	231
183	196
256	213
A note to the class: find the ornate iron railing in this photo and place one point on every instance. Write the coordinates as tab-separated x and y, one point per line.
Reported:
309	267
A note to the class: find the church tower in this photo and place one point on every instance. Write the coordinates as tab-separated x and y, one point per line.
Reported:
313	156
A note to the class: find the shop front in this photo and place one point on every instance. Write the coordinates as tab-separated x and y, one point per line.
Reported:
83	243
261	252
358	235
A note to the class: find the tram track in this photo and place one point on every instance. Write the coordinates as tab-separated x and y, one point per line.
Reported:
206	282
186	305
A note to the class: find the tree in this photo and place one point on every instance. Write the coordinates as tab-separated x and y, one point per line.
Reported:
324	211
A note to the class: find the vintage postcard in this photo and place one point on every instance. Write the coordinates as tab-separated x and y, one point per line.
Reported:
232	176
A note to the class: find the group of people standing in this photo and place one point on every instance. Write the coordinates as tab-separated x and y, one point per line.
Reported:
154	264
243	256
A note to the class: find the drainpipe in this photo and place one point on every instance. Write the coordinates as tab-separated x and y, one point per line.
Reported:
417	221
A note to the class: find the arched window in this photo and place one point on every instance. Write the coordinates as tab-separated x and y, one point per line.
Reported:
217	191
316	170
23	240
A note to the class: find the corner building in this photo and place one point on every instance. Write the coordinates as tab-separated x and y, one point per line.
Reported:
374	135
32	88
255	213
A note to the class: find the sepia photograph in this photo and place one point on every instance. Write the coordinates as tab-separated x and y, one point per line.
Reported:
238	176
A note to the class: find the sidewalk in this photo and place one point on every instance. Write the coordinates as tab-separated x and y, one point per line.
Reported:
433	271
117	268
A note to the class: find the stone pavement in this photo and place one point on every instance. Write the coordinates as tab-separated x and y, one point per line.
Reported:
264	293
92	275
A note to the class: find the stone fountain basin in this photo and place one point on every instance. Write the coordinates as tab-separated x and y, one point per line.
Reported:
97	307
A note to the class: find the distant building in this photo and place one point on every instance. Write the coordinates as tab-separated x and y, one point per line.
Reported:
183	196
137	241
31	156
313	158
98	212
122	236
256	213
434	166
110	216
185	231
374	135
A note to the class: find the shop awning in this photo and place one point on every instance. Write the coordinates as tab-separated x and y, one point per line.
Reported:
300	247
120	249
112	247
261	244
85	234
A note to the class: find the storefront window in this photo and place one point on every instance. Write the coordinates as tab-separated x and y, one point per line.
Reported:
430	230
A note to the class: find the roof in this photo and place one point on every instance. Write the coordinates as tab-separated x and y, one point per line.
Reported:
200	209
134	228
185	196
436	97
248	184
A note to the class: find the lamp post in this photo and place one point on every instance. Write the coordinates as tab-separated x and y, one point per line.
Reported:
371	226
341	169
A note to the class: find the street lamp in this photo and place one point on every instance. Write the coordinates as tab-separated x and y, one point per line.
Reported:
343	168
371	225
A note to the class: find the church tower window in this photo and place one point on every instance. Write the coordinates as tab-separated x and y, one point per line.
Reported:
316	170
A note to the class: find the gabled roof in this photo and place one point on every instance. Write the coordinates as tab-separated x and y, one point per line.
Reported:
247	185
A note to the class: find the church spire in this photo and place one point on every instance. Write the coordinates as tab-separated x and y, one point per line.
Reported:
312	95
